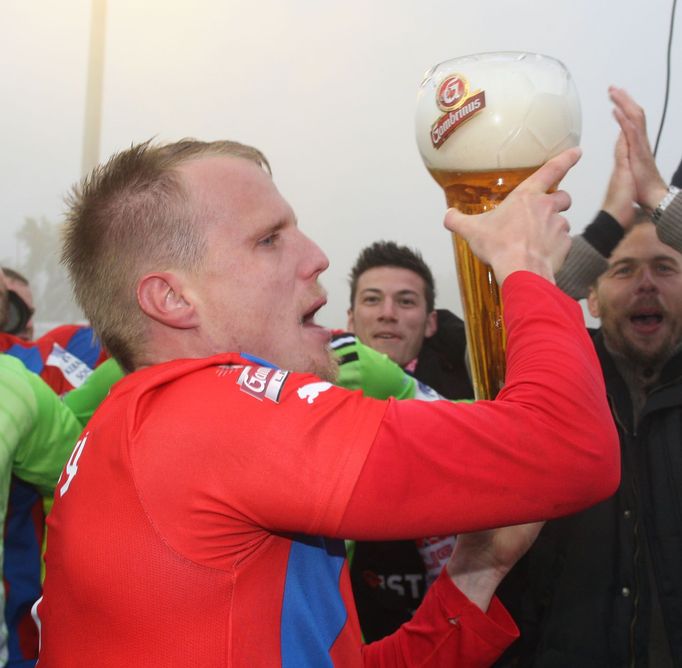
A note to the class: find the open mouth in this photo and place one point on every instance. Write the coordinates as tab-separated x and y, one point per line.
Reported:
308	317
647	321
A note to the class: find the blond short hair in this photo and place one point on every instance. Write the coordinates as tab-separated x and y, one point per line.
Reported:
130	216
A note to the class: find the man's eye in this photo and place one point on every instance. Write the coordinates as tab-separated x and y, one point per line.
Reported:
269	240
407	303
665	269
621	271
370	300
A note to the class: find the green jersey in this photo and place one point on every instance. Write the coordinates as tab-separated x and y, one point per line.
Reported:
37	435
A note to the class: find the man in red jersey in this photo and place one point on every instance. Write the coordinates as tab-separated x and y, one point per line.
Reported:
199	519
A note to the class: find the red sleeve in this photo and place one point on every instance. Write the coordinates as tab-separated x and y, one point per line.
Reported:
447	630
546	447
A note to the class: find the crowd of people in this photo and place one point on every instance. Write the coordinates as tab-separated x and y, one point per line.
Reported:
236	485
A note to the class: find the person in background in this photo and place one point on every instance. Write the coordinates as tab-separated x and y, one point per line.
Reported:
64	358
37	434
604	587
19	284
392	310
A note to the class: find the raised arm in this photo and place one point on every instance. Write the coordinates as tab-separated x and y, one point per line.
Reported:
547	445
586	259
652	191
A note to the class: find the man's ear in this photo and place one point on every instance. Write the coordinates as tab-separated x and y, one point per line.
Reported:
593	303
351	321
431	324
161	297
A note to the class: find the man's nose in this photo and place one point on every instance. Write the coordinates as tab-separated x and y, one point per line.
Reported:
387	310
646	281
315	260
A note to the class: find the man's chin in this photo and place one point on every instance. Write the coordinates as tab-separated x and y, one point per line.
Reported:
650	353
326	368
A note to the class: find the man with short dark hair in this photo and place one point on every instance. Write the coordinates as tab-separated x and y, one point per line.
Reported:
200	518
392	309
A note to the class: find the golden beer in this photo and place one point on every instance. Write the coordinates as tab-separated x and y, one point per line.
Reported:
472	193
485	123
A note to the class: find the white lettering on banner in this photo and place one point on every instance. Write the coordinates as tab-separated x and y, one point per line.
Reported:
74	369
397	583
311	391
72	465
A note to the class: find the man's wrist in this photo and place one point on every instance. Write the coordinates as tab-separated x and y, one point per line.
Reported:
522	261
655	196
477	584
664	202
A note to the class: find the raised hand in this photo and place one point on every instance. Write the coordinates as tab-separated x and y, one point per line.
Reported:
621	193
649	184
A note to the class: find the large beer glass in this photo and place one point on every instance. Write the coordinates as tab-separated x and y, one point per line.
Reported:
484	123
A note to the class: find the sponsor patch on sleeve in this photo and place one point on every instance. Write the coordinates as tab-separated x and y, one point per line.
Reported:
262	382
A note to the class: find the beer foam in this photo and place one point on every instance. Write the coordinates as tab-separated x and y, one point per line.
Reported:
531	113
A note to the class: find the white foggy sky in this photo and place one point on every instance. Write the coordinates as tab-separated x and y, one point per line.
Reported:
326	89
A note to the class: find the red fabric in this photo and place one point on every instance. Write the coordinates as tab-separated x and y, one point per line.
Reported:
544	448
170	538
447	630
158	552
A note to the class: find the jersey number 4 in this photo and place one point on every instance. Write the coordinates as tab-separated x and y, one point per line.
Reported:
72	464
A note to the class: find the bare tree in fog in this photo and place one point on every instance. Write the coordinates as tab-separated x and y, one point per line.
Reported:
39	243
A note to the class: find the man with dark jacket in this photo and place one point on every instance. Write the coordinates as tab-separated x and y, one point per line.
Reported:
604	587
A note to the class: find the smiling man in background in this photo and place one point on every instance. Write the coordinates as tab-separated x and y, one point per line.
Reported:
392	310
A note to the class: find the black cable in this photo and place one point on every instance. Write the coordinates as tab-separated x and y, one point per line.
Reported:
667	77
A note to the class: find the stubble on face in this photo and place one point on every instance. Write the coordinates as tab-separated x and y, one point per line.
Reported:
637	355
326	369
639	301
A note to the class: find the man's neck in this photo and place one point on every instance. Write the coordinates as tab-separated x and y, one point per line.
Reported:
639	376
643	374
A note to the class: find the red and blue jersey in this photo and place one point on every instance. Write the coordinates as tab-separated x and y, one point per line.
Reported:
199	517
215	537
63	358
